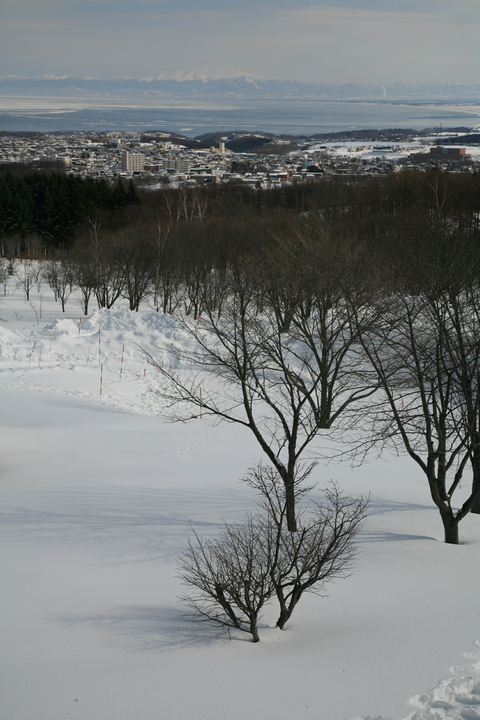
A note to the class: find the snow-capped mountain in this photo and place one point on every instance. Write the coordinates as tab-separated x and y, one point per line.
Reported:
218	84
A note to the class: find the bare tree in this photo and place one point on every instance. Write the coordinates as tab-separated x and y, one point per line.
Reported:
165	276
100	250
236	575
60	276
135	256
285	387
185	205
86	258
109	278
27	276
324	547
85	278
426	352
231	575
6	270
457	312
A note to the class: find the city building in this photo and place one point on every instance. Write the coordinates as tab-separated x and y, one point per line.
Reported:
180	164
133	162
442	154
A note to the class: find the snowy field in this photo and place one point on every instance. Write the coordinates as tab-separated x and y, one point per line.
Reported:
97	492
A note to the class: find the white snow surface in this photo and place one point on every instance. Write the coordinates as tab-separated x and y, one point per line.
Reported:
97	493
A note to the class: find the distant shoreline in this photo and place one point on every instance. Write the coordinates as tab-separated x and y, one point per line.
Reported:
291	117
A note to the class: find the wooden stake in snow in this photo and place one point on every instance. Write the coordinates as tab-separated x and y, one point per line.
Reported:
121	364
79	325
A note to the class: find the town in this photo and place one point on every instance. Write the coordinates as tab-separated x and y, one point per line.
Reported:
155	159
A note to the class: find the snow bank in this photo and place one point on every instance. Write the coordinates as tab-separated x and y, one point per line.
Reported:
116	319
8	342
455	697
96	495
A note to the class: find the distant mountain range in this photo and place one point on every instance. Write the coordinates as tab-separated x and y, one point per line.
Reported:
192	87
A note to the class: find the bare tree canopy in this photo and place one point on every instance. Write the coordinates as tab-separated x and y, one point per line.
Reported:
235	575
242	365
425	348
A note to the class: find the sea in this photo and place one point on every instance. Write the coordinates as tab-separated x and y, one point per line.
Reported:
289	117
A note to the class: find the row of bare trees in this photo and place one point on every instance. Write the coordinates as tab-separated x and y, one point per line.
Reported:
161	264
325	337
309	336
306	331
317	336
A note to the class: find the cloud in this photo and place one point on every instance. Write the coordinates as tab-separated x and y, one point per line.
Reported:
372	40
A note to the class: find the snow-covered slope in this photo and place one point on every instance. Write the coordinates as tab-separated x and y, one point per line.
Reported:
97	492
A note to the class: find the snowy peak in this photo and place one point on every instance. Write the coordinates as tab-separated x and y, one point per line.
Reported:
207	74
227	84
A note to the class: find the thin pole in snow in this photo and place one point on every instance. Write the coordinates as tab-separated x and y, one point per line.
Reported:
99	346
121	364
79	325
101	378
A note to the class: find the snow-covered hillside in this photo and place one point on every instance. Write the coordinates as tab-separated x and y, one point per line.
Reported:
97	492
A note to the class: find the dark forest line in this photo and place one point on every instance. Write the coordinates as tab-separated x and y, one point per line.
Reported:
46	213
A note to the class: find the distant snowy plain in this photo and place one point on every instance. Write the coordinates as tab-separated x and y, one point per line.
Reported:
97	492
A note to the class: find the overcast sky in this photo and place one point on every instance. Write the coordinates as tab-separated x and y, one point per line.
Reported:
381	41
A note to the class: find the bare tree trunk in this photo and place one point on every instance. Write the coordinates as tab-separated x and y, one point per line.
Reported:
450	526
286	611
475	461
290	504
254	630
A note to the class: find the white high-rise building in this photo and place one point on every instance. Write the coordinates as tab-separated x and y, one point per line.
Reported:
133	162
178	163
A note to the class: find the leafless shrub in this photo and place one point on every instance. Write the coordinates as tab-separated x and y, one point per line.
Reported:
230	575
237	574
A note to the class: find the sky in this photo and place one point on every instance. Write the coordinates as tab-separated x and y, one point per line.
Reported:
378	41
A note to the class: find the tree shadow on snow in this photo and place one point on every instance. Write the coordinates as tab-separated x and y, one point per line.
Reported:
122	524
386	536
144	628
382	507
